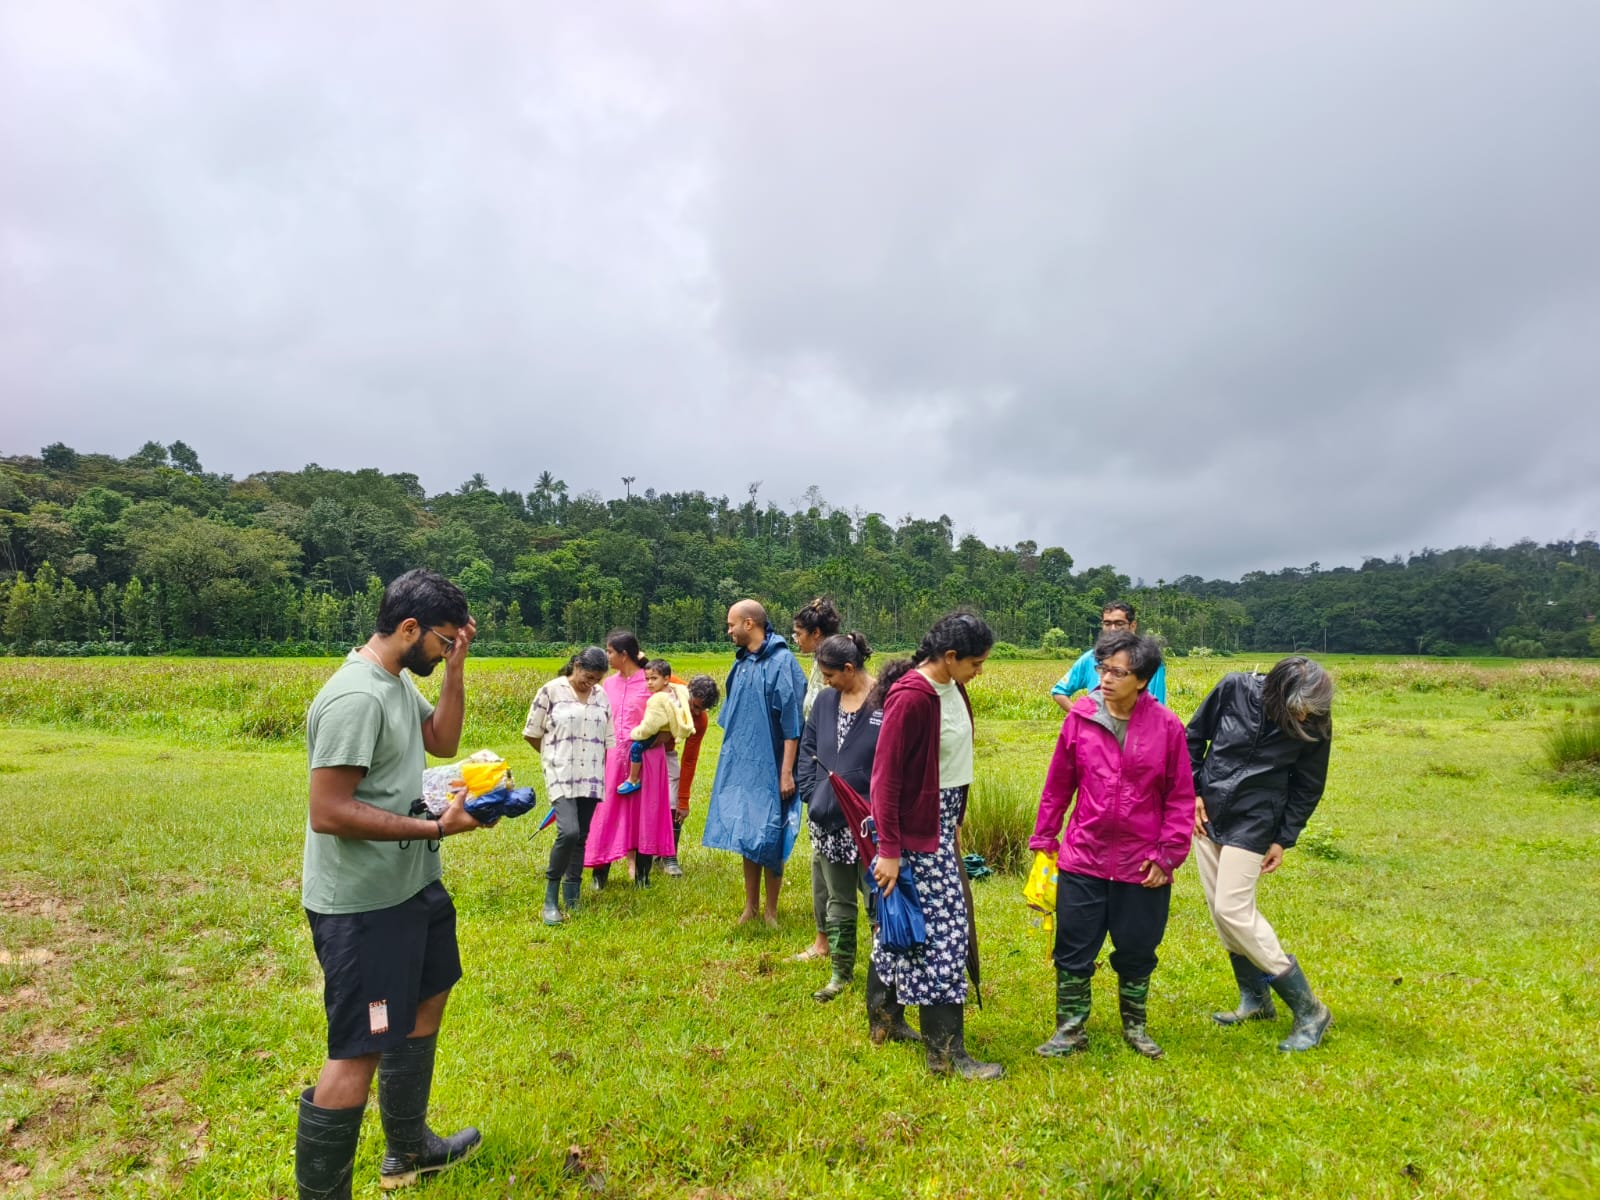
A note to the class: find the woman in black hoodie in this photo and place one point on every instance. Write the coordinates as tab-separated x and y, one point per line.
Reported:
841	736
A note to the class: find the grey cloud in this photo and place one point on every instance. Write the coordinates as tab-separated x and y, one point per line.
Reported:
1118	277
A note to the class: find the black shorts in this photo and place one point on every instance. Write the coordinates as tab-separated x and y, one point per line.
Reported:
377	966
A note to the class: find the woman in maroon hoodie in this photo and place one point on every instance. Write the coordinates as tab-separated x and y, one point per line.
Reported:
1127	759
920	777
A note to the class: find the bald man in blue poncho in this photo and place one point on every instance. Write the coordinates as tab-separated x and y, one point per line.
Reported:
754	809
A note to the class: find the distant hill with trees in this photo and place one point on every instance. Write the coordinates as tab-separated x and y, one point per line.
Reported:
153	554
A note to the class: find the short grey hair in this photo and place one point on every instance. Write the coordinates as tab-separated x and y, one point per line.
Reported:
1144	653
1298	698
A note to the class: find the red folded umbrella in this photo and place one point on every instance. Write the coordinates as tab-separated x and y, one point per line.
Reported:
857	815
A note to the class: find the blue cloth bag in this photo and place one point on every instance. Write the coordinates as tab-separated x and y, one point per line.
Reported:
900	924
502	802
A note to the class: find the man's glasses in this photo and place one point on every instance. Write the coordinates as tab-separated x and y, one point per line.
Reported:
449	643
1110	672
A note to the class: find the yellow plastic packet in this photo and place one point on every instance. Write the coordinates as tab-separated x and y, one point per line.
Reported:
484	777
1040	890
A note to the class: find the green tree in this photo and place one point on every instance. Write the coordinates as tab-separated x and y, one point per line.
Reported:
188	556
58	456
184	458
140	614
149	456
18	626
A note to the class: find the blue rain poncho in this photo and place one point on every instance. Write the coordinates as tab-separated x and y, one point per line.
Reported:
765	691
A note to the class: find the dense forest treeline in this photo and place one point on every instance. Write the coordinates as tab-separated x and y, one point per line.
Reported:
152	553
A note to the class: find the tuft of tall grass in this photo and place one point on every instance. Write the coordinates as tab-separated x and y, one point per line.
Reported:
1001	810
1573	747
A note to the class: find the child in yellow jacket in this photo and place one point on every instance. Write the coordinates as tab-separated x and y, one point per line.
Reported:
667	711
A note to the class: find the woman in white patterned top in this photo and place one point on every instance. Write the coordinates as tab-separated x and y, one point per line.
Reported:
569	727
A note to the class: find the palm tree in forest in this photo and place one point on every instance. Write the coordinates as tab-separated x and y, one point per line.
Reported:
543	498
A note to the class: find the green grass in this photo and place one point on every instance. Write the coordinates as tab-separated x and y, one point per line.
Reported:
160	1004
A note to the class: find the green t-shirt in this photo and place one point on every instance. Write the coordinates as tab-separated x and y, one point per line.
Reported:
955	737
366	717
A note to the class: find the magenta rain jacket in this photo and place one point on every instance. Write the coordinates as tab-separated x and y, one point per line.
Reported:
1135	802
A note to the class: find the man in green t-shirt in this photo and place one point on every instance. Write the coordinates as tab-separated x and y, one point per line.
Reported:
383	925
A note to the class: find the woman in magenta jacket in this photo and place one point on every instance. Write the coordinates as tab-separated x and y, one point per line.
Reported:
920	777
1127	759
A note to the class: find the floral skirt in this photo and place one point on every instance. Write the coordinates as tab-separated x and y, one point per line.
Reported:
835	845
936	971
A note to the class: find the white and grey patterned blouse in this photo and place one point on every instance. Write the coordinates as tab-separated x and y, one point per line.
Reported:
575	737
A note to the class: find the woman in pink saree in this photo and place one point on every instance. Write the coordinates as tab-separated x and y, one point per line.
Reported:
637	826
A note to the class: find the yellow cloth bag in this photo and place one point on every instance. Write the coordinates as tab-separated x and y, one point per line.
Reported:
483	777
1040	890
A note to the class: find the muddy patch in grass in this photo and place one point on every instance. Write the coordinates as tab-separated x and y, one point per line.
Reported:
25	902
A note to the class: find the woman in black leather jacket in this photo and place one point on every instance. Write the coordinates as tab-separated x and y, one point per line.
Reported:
1259	747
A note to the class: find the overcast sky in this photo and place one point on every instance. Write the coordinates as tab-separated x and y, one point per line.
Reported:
1183	288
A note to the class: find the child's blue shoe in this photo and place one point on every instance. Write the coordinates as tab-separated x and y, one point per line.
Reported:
627	788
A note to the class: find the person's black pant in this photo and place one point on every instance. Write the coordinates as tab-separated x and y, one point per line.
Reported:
1087	909
573	817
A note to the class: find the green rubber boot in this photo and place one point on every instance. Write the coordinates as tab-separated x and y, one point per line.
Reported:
1072	1013
842	952
1133	995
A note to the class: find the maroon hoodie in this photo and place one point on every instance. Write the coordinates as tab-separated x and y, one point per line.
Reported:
905	772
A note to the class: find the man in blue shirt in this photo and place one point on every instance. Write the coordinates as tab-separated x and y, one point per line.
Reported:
1116	617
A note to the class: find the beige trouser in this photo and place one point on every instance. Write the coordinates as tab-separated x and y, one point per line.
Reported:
1228	875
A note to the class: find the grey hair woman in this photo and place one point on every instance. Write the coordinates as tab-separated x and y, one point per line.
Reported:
1259	745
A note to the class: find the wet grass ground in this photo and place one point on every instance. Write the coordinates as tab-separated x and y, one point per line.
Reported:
160	1005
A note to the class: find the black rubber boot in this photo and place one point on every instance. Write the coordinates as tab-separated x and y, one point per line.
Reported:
1255	997
405	1077
1072	1013
571	889
601	875
1133	995
944	1036
1311	1016
325	1149
842	953
641	870
886	1017
550	914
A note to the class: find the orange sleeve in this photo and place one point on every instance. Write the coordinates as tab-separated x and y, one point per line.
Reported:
688	757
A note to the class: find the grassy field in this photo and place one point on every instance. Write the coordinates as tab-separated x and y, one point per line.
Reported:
160	1005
